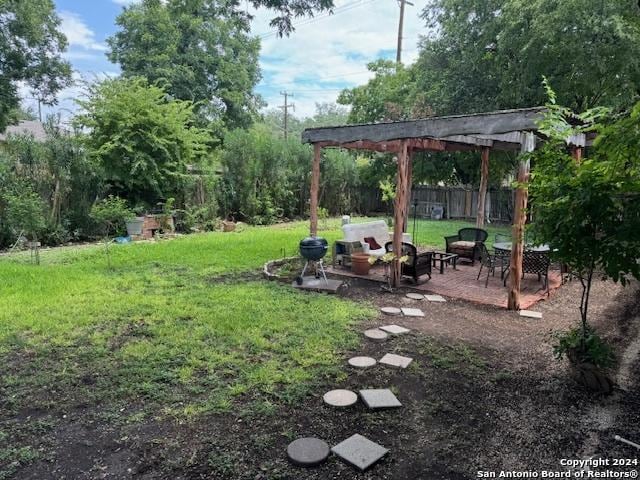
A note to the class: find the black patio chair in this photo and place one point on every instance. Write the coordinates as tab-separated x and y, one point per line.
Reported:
466	243
417	264
488	261
537	263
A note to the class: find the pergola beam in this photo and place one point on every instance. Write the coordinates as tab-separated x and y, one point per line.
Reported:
491	123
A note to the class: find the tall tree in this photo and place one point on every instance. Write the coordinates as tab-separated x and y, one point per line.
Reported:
142	139
492	54
30	51
200	48
389	95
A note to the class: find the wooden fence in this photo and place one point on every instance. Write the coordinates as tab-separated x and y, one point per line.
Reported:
456	202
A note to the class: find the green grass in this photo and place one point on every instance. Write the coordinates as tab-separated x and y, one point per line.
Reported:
178	328
164	326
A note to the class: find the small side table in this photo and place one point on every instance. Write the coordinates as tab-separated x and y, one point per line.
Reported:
445	259
342	250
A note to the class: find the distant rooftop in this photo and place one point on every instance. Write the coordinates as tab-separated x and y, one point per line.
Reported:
26	127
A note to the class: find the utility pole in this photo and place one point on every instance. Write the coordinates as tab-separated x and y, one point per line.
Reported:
400	27
286	108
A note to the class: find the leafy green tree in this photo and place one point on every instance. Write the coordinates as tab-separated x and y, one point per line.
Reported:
30	51
490	54
201	49
111	215
589	211
389	95
142	139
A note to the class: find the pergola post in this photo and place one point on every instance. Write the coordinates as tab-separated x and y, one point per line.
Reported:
482	193
519	219
400	209
315	187
405	222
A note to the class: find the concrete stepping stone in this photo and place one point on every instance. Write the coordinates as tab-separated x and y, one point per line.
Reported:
376	335
435	298
308	452
359	451
415	296
412	312
362	362
394	329
390	310
340	398
530	314
394	360
379	398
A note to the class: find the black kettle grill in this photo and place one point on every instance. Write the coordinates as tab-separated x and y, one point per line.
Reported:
313	249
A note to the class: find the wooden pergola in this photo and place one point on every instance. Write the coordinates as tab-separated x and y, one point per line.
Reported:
506	130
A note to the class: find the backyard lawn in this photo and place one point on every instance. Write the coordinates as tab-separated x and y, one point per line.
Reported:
181	362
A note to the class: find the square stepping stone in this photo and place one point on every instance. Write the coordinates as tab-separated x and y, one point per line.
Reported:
412	312
394	329
379	398
435	298
359	451
530	314
396	360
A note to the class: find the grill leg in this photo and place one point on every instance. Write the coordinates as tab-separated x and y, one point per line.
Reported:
324	275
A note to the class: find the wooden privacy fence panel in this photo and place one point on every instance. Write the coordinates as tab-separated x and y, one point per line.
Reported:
457	202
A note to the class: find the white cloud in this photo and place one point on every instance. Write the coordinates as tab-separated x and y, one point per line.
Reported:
78	33
328	53
125	3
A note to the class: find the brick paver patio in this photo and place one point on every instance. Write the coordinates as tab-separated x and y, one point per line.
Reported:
461	283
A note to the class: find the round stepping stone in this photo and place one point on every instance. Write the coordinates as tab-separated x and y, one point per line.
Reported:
391	311
376	335
415	296
362	362
308	452
340	398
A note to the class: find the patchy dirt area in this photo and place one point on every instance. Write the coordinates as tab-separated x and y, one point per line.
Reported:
483	394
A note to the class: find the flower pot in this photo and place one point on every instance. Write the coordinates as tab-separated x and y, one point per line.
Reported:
228	226
134	226
360	263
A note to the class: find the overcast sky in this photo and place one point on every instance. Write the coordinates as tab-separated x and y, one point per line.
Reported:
324	55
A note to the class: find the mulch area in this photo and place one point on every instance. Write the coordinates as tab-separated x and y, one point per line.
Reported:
483	393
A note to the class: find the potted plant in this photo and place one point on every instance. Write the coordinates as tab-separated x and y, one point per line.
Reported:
388	259
360	263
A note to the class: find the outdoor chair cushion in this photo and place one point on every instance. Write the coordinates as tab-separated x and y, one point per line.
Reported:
463	245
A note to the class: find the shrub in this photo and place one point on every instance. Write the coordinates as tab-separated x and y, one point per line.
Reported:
595	350
111	215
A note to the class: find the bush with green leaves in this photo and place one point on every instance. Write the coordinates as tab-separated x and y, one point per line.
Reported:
142	139
111	214
587	347
589	210
25	212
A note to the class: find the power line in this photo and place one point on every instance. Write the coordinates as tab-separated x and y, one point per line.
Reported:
337	11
